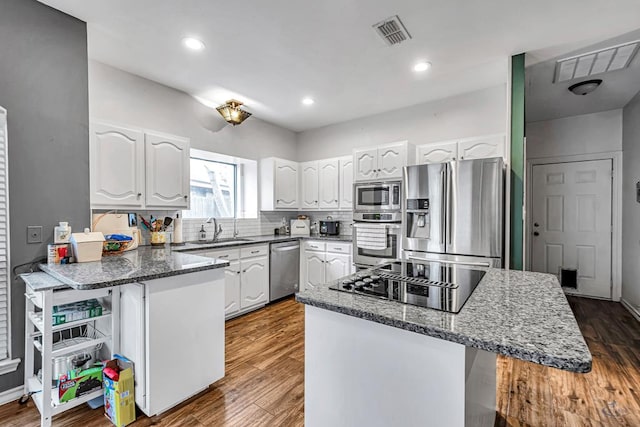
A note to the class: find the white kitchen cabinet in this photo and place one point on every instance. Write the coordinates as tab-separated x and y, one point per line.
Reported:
366	164
232	289
329	184
346	183
437	153
383	162
117	166
336	266
309	178
278	184
162	324
167	171
254	281
324	261
314	269
482	147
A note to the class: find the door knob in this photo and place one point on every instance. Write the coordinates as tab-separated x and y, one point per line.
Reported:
535	233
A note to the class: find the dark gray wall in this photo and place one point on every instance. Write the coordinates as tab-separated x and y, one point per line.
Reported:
43	86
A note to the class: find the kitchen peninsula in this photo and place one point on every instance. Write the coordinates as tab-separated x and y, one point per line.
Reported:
374	362
156	302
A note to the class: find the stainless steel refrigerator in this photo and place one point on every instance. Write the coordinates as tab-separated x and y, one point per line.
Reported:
453	212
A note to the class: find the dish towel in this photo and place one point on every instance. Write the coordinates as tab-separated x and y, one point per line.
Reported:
371	236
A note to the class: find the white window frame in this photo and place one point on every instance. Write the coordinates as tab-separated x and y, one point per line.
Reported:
7	364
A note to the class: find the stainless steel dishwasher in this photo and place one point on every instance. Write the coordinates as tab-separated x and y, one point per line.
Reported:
285	269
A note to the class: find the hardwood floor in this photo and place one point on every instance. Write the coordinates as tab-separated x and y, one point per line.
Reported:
264	382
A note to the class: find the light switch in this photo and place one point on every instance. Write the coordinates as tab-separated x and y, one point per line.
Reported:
34	234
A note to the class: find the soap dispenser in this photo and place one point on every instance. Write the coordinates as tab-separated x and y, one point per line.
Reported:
202	236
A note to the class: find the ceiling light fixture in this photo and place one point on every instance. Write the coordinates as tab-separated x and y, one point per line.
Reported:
421	66
232	112
585	87
193	44
308	101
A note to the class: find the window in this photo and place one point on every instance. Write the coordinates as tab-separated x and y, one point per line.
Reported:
222	186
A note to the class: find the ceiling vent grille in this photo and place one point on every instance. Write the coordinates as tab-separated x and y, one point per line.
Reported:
392	30
596	62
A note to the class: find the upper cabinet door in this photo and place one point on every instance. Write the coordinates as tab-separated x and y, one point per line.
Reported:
309	184
117	166
167	171
346	182
286	184
482	148
391	160
437	153
366	164
329	184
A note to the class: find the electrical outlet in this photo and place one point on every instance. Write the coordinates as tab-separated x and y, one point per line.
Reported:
34	234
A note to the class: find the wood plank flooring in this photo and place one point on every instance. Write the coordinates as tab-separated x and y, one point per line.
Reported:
264	382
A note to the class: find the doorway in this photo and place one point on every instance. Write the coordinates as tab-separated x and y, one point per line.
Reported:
570	222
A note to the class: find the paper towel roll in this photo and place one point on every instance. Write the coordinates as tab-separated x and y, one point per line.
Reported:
177	230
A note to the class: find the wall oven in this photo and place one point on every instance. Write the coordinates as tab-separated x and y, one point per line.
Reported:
365	255
377	196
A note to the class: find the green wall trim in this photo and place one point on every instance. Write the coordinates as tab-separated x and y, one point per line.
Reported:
517	161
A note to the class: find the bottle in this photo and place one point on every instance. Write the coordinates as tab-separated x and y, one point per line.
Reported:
61	233
283	227
203	234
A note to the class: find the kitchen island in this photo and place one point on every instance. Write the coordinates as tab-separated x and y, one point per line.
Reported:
376	362
164	310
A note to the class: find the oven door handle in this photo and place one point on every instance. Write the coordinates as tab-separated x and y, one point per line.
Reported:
365	223
445	261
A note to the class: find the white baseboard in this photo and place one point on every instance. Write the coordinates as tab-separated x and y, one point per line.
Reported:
634	311
11	395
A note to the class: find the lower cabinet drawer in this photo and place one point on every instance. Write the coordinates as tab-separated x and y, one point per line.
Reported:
314	245
253	251
339	247
225	254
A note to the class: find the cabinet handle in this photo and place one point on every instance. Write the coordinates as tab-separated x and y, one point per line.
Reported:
244	271
238	272
185	197
337	249
139	195
255	252
223	256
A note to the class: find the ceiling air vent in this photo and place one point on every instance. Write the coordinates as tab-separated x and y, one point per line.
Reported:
392	31
596	62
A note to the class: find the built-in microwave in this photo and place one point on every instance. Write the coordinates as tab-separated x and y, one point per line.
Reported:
377	196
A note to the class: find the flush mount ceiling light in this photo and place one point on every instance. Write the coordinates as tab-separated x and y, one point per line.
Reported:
586	87
308	101
421	66
193	44
232	112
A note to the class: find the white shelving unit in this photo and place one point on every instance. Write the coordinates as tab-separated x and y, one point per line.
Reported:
102	330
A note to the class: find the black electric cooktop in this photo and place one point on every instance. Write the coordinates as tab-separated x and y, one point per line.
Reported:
429	284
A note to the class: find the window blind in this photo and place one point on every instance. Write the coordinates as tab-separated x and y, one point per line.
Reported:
5	281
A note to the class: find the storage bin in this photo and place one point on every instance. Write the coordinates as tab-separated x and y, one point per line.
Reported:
87	246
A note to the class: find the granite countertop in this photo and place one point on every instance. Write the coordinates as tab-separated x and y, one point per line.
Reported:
523	315
145	263
252	240
39	281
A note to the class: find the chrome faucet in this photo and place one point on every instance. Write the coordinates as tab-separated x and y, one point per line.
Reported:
217	228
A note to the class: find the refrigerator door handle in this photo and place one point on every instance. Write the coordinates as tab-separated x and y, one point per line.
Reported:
443	209
444	261
450	217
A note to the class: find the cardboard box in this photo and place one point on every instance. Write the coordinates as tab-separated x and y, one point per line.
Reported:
87	381
119	399
76	311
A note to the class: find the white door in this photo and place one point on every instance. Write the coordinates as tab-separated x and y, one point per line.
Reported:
366	163
337	266
329	184
309	180
286	184
437	153
254	282
232	288
391	160
314	269
482	148
117	166
167	171
571	222
346	183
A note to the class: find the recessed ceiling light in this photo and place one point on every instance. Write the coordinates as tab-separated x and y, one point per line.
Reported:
422	66
308	101
193	44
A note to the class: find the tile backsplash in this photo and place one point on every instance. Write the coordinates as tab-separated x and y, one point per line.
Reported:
263	225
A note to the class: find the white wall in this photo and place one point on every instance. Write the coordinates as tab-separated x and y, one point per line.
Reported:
121	97
476	113
584	134
630	207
